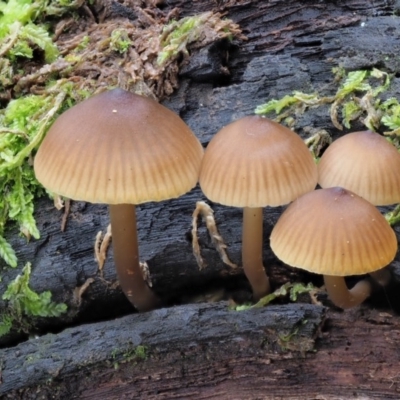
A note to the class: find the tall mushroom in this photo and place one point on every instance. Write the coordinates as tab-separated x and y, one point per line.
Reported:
252	163
121	149
336	233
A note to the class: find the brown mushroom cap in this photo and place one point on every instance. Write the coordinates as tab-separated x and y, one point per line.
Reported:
119	147
365	163
256	162
333	232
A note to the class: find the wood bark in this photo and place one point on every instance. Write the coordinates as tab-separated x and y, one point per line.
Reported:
206	351
289	47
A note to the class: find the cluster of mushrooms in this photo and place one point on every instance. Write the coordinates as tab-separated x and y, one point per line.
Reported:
123	149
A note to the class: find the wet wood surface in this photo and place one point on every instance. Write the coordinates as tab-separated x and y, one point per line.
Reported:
206	351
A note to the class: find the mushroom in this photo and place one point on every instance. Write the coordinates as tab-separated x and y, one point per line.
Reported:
121	149
336	233
365	163
252	163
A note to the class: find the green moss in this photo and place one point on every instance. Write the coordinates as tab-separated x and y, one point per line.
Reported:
296	98
291	289
136	354
120	41
83	44
24	303
391	115
141	353
25	120
23	124
176	36
356	98
20	34
293	340
204	27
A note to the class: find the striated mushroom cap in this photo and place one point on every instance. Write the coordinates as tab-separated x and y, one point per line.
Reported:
365	163
118	147
256	162
334	232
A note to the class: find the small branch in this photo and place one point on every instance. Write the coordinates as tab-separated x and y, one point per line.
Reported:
64	219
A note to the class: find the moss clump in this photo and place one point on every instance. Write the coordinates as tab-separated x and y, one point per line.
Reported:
355	99
291	289
135	355
65	68
24	303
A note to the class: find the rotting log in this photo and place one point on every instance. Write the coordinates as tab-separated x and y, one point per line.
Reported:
205	351
288	48
192	335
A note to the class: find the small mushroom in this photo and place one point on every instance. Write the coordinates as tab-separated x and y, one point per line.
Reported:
365	163
336	233
121	149
252	163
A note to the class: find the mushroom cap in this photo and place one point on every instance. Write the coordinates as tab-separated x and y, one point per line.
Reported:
118	147
256	162
365	163
334	232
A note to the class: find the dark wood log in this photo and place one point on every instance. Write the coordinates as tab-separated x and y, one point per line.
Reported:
206	352
288	48
192	334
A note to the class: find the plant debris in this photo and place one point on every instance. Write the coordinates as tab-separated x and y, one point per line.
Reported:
355	99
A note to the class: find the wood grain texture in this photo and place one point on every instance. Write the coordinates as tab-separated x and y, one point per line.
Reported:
208	352
196	334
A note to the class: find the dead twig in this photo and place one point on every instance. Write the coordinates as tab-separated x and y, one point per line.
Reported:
67	204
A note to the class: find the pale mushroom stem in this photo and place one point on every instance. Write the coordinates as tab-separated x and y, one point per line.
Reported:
126	257
382	276
252	244
344	297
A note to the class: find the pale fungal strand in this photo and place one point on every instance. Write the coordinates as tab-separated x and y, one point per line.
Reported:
101	246
203	209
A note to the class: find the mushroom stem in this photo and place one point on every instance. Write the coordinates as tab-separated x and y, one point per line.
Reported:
344	297
382	276
252	244
126	257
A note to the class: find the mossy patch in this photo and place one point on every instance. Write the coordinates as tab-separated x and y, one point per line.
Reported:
70	59
24	303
